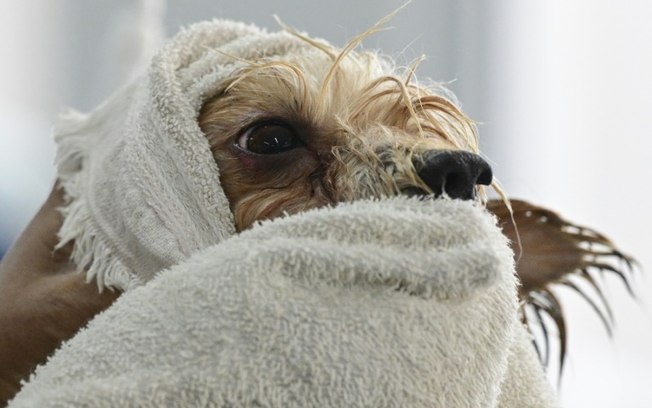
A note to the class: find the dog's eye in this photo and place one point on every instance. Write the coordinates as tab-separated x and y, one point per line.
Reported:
268	138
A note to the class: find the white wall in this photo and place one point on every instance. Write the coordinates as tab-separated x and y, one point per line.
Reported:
569	127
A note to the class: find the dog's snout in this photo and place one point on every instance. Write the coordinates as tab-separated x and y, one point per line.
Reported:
454	172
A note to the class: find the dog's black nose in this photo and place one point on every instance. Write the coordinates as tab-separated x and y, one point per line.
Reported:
454	172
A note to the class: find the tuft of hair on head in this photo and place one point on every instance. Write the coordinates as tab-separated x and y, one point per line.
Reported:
338	57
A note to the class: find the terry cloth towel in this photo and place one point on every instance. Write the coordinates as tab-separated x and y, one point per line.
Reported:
382	303
392	303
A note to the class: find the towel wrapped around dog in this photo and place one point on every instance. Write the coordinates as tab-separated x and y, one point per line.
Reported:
389	302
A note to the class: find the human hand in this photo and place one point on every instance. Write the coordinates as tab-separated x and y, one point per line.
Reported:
43	299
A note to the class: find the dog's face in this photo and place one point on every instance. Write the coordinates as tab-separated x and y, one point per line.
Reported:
315	130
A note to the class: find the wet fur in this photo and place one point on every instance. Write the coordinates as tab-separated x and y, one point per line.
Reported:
361	128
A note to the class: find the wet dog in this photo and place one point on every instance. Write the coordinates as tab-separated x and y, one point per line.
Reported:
316	129
296	134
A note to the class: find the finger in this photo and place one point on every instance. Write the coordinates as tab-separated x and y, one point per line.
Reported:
32	253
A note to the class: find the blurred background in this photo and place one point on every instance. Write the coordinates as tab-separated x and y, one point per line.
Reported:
562	91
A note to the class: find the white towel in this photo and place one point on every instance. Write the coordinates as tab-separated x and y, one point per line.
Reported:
389	303
394	303
143	185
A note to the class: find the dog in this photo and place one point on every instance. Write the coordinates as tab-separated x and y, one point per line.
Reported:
298	134
291	135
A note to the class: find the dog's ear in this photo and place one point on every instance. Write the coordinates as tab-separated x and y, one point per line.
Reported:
551	251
